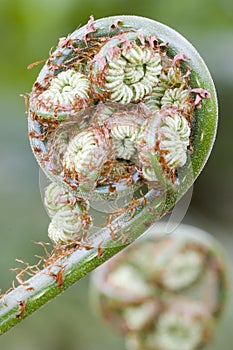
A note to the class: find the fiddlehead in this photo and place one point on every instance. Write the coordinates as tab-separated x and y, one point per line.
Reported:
75	94
133	75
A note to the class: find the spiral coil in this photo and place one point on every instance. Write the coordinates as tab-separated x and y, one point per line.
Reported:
86	153
131	77
67	226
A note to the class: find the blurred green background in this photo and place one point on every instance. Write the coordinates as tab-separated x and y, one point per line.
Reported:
28	30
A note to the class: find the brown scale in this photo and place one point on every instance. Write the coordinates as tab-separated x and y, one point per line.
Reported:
38	88
70	174
35	135
110	218
104	176
100	250
112	189
162	160
87	54
117	171
116	24
37	150
75	177
53	67
81	55
66	42
49	127
22	308
48	261
130	208
99	80
32	65
59	277
23	272
86	218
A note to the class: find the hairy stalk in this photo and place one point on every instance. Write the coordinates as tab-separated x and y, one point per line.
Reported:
44	286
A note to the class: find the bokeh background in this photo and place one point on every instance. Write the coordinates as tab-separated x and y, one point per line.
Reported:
28	29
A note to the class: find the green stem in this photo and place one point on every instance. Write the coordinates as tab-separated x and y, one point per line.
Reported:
42	287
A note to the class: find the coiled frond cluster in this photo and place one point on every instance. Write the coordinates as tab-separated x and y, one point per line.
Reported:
184	270
129	283
56	198
138	317
124	129
65	226
64	90
133	76
174	331
174	133
159	292
171	89
165	135
86	154
70	220
65	87
177	332
103	103
175	97
123	142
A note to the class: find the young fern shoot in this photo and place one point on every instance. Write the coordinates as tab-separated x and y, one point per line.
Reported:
122	119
